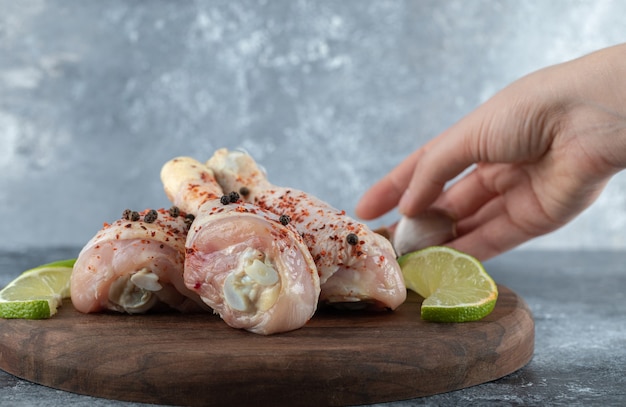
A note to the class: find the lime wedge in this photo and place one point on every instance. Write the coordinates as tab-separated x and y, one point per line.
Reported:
38	292
455	285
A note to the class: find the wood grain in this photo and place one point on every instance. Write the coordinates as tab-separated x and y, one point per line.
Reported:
339	358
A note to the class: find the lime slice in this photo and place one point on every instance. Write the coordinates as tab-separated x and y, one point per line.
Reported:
455	285
38	292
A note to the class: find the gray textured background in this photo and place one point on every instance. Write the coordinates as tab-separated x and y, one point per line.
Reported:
96	95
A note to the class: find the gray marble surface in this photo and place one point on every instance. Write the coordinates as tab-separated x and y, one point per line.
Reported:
578	303
328	95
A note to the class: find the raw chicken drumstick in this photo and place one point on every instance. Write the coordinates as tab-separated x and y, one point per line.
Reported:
355	264
251	268
135	264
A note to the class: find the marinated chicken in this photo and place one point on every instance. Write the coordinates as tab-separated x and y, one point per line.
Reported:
134	265
246	263
357	267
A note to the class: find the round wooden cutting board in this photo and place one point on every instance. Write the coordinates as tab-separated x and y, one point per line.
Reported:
338	358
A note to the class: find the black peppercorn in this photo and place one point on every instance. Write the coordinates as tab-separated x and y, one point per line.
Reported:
225	200
233	196
126	214
151	216
134	216
244	191
189	218
174	211
352	239
284	219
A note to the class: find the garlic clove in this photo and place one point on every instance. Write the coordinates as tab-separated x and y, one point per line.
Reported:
430	228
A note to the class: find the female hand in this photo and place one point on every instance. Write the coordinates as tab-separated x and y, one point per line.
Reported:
543	149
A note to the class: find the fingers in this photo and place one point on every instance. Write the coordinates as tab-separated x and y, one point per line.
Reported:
468	194
485	135
489	240
419	179
488	235
448	155
484	183
509	218
385	194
